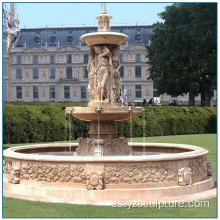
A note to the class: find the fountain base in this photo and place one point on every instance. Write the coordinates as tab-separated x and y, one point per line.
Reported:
102	147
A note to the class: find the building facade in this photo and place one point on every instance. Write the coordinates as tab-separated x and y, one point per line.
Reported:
50	64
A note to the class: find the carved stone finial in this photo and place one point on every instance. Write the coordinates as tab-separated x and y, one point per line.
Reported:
185	176
103	19
94	180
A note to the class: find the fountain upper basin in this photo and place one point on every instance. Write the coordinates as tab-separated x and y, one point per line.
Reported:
104	113
104	38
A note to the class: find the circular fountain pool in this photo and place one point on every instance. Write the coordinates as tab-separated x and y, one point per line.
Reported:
155	171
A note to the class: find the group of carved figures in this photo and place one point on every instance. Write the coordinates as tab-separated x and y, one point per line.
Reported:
103	73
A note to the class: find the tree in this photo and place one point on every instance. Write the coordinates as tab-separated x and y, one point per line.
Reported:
174	55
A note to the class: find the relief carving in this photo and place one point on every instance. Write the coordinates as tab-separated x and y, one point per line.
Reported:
52	172
185	176
209	168
94	180
199	168
12	171
140	173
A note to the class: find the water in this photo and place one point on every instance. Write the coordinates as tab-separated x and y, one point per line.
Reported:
144	125
63	153
131	131
70	128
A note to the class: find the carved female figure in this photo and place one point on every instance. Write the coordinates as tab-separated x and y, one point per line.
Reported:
116	74
91	74
102	71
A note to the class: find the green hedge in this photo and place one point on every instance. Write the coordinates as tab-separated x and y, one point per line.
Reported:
46	122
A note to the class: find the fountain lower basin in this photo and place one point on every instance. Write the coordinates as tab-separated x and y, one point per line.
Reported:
175	170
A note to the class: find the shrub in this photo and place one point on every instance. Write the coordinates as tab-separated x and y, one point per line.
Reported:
46	122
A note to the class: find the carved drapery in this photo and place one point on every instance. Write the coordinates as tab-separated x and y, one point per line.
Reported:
103	72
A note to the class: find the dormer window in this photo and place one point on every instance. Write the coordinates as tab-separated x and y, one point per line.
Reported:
53	39
70	39
36	40
138	37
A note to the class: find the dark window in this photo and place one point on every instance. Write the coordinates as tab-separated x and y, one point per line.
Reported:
53	39
18	59
138	57
138	37
121	57
66	92
86	58
70	39
37	40
69	73
35	92
35	73
69	58
138	91
52	73
121	72
85	71
138	71
83	92
19	92
52	92
35	59
52	59
18	73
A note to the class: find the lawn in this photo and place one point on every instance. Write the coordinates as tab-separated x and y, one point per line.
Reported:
24	208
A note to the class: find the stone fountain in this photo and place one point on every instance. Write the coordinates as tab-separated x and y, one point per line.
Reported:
104	107
102	168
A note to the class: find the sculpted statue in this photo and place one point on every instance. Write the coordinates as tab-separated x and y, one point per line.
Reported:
91	74
115	66
102	72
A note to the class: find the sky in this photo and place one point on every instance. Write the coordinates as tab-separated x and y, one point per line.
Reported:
35	15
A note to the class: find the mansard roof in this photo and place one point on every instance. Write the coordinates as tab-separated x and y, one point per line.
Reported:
70	34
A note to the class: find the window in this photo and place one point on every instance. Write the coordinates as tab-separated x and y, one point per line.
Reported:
138	57
66	92
37	40
19	92
138	71
70	39
85	71
35	92
18	59
138	37
35	59
69	73
52	92
86	58
52	59
35	73
138	91
83	92
18	73
121	57
122	90
69	58
52	73
121	70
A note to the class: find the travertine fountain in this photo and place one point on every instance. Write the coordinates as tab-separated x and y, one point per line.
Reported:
103	168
